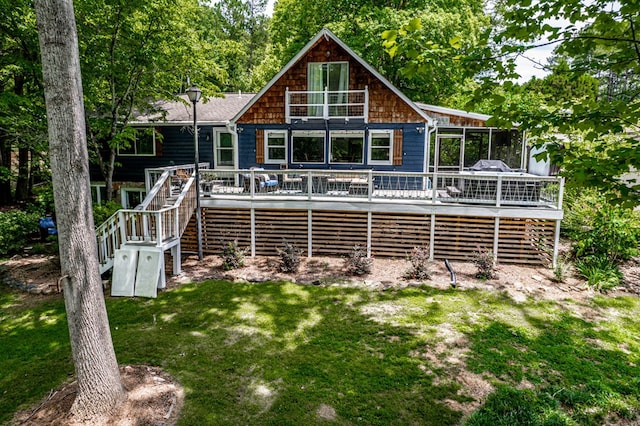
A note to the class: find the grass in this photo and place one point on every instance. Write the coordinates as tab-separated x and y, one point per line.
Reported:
274	353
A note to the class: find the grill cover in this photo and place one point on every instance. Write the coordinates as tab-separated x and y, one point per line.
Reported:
490	166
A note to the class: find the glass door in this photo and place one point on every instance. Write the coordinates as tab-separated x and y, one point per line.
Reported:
224	151
448	153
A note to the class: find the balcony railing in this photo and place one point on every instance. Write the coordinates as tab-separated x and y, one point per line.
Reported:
488	189
326	104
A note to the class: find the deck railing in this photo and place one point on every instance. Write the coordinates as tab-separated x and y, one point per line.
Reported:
476	188
326	104
153	222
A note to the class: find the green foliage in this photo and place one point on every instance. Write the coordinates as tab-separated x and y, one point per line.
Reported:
599	228
603	234
232	255
485	264
601	273
289	257
420	268
16	227
357	263
102	212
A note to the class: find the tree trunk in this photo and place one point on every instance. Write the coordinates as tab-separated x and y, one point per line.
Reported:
100	388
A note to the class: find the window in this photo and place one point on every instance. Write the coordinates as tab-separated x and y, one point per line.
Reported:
275	146
380	146
224	149
334	76
131	197
143	144
347	147
308	147
98	193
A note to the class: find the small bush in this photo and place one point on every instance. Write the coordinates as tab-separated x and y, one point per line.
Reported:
232	255
16	227
561	270
599	228
102	212
289	257
358	263
600	273
420	264
485	263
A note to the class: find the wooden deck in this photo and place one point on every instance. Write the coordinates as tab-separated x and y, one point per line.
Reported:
328	212
516	216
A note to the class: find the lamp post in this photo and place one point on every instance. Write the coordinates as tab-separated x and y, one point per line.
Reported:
194	95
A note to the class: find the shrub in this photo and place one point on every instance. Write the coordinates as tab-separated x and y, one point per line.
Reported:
232	255
358	263
484	261
599	228
601	273
420	264
289	257
15	229
102	212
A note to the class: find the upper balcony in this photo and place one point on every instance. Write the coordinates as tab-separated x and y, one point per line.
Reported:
326	104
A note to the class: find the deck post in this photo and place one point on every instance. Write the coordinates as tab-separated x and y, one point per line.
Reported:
253	230
369	217
158	229
370	189
496	238
309	184
499	191
309	233
287	106
556	243
432	236
434	187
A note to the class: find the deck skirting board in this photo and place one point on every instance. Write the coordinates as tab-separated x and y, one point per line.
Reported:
385	234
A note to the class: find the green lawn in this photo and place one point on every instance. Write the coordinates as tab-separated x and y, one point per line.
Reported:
275	353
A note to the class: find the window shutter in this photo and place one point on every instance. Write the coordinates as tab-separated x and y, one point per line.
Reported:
397	147
259	146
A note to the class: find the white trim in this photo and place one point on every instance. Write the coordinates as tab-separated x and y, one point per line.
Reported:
370	146
234	148
124	200
452	111
268	160
338	133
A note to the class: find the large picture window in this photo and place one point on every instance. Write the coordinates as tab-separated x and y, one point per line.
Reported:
347	147
275	146
308	146
144	143
380	146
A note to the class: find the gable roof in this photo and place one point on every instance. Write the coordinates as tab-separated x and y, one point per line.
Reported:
325	32
211	111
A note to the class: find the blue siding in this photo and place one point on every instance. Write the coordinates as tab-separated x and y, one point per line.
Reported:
176	148
412	145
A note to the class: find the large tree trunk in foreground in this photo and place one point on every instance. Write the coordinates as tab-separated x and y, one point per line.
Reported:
100	388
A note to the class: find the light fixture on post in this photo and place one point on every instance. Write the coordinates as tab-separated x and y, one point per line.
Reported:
194	95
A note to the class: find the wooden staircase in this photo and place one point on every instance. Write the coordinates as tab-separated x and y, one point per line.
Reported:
158	222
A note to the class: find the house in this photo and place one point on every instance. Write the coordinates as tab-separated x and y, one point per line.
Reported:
329	154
